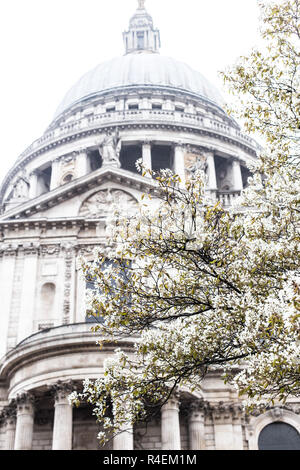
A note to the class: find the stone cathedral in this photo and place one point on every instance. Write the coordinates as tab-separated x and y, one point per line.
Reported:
54	203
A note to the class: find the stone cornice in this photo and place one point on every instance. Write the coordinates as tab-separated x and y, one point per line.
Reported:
79	186
58	341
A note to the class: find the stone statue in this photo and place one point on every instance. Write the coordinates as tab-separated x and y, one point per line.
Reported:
109	148
21	188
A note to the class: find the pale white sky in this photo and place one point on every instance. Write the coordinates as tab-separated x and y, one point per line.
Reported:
47	45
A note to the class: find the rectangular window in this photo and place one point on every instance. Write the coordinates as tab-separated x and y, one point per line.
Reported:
133	106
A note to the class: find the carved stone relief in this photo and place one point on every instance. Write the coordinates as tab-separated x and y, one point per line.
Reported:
103	202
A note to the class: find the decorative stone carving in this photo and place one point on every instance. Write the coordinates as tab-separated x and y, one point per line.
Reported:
9	412
226	412
8	417
69	261
24	400
61	390
277	412
102	203
50	250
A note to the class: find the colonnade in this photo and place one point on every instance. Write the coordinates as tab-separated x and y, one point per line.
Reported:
19	424
81	167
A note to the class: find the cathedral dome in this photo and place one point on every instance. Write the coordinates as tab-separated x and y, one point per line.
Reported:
140	70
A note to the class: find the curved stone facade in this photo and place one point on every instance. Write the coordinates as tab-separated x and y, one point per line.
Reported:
54	202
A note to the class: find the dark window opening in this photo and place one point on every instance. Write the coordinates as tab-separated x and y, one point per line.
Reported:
157	106
133	106
44	180
245	175
162	157
180	109
223	174
111	109
95	159
129	155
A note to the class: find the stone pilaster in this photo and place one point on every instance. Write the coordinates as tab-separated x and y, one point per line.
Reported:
196	425
28	297
63	417
170	428
25	419
227	426
179	162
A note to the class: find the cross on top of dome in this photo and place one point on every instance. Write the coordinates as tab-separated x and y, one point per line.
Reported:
141	36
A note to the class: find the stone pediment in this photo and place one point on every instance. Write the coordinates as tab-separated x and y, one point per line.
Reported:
96	202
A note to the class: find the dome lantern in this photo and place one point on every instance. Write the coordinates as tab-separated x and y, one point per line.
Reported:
141	35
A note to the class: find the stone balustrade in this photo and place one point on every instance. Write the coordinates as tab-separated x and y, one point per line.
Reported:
140	115
227	198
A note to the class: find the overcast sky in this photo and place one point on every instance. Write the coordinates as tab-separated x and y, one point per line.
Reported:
47	45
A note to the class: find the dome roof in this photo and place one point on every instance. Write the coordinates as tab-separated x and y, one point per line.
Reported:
143	69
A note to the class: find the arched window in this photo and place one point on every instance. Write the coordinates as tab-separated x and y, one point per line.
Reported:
279	436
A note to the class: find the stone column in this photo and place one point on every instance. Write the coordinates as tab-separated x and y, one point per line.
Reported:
196	426
63	417
211	171
124	440
33	179
179	162
25	419
82	164
238	418
10	415
170	428
147	159
6	289
54	183
237	175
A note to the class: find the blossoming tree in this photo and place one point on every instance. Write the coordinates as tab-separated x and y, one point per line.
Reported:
202	288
